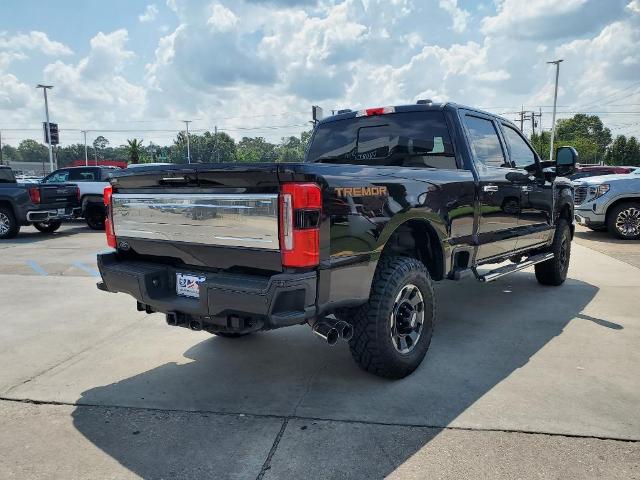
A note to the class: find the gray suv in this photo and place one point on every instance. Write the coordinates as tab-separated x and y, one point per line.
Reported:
610	202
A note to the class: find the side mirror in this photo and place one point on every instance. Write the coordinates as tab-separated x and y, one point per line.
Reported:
566	159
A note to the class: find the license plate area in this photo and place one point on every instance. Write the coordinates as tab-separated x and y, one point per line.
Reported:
188	285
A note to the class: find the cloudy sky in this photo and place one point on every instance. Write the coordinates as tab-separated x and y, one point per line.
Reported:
255	67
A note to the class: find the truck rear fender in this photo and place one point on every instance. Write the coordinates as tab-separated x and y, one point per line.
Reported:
419	239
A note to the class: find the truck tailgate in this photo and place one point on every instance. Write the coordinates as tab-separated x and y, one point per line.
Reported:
58	194
239	220
197	212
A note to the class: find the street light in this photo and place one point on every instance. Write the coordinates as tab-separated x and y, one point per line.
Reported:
187	122
86	157
46	112
555	100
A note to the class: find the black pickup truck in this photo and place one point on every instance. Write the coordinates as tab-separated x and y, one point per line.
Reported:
43	206
387	201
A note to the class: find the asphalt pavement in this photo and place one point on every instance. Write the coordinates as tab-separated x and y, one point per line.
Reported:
521	381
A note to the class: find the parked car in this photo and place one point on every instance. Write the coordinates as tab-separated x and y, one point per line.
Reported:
584	172
43	206
610	202
388	200
92	182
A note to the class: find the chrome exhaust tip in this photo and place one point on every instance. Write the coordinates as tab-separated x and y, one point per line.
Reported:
345	330
326	332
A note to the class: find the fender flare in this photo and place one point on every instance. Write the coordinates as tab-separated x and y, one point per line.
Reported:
437	231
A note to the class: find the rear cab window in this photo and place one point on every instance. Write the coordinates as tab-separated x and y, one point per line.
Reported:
84	175
6	176
407	139
61	176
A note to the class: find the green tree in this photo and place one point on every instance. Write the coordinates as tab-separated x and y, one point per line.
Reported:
540	143
32	151
632	152
293	149
67	155
134	150
255	149
616	153
205	148
575	130
10	154
99	145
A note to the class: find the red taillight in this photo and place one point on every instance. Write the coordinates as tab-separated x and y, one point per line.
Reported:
300	209
108	220
369	112
34	194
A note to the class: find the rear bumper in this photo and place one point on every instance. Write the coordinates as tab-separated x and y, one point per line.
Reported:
228	302
53	214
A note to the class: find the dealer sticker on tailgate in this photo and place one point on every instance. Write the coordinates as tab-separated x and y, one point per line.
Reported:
188	285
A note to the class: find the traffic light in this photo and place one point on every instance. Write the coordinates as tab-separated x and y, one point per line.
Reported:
53	133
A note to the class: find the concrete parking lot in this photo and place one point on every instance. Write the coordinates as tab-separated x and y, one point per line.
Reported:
521	381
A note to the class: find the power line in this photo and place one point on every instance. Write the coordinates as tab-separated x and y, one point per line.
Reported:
600	99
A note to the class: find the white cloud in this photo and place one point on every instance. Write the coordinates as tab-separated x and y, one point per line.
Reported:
550	19
13	93
150	13
222	19
95	89
458	15
34	40
634	6
228	60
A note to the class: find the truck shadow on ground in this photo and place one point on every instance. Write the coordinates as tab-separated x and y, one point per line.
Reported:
484	334
29	235
603	237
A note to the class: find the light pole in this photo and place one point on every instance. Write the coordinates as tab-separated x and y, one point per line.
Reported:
187	122
46	112
555	100
86	157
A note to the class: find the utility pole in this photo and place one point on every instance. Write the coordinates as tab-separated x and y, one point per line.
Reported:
187	122
522	112
1	149
86	157
555	101
46	112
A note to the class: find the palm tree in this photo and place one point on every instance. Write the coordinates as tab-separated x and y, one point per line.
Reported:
134	149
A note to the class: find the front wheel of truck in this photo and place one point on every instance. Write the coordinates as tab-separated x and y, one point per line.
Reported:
554	272
392	331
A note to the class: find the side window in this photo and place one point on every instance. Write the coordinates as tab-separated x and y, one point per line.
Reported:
485	142
60	176
521	155
82	175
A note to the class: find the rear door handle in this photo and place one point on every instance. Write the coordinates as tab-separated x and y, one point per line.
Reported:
490	188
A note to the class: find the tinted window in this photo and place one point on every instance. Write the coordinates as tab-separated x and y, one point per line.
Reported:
411	139
83	175
521	155
6	176
60	176
485	142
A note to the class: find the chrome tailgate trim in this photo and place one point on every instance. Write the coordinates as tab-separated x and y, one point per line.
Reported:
246	220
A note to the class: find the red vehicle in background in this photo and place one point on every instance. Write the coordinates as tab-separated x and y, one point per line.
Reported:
583	172
100	163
